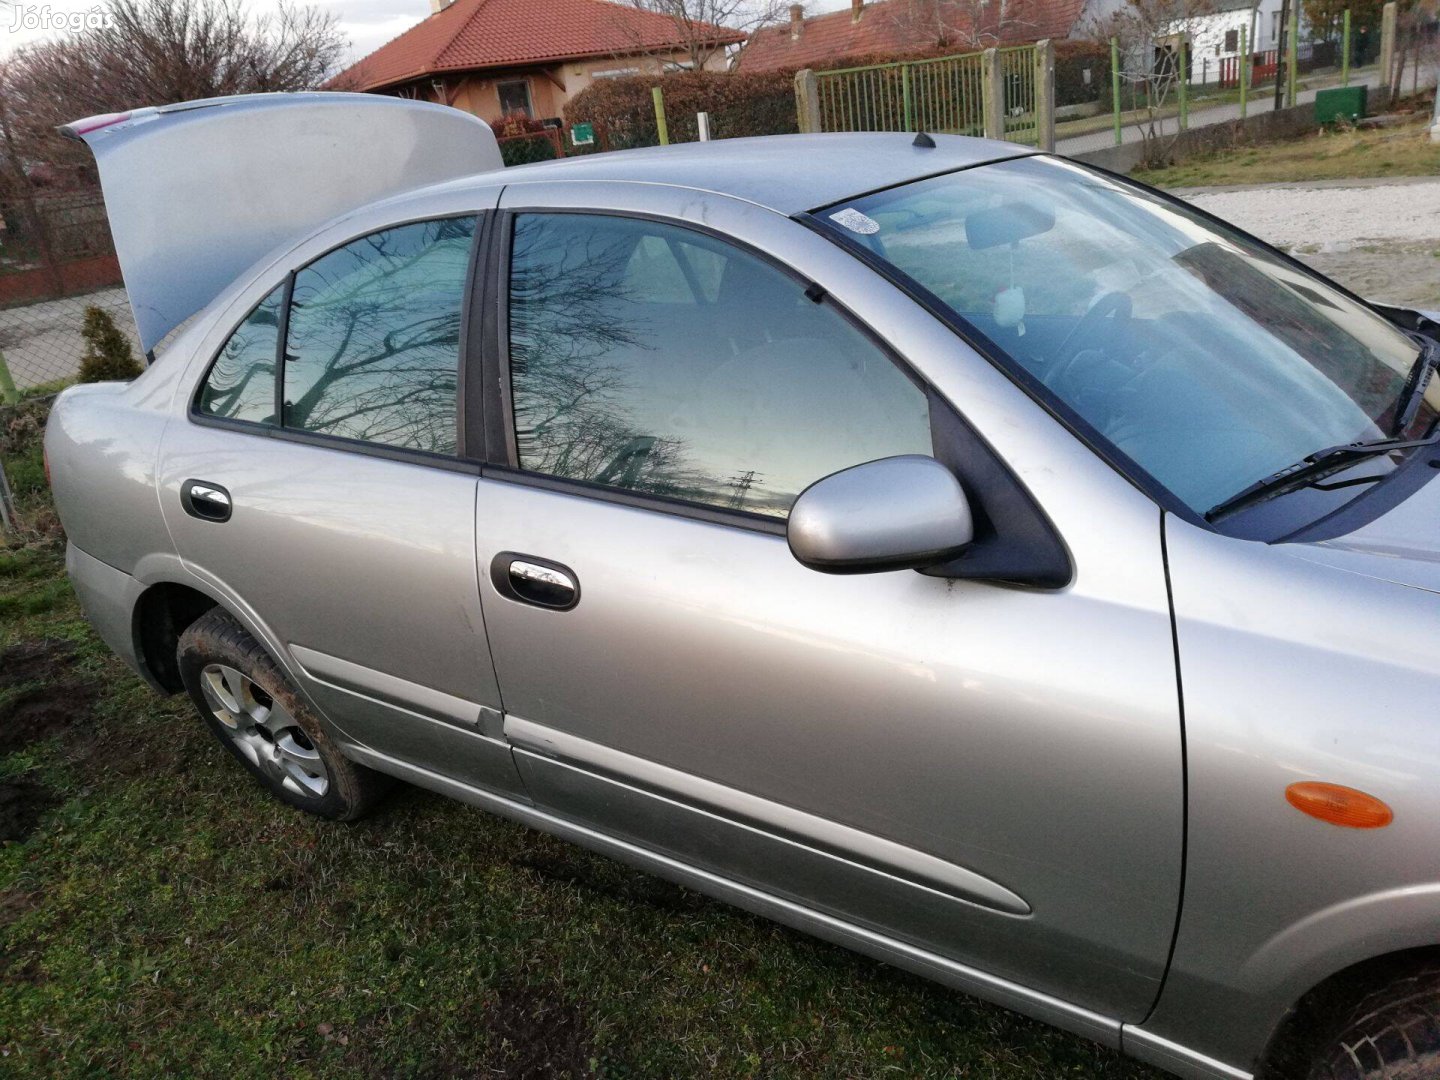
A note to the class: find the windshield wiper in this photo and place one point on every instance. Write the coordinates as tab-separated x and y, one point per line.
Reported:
1416	382
1311	468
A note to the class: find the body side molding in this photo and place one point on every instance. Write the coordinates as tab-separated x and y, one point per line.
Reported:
863	847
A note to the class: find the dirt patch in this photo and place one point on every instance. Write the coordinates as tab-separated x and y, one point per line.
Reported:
38	714
35	661
535	1035
22	804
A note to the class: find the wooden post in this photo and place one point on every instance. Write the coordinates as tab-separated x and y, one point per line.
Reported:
8	394
1292	43
1244	70
1182	73
1345	50
7	502
992	94
661	128
1280	54
807	101
1115	85
702	125
1045	94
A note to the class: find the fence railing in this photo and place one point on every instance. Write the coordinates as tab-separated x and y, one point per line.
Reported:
1001	93
1017	69
940	95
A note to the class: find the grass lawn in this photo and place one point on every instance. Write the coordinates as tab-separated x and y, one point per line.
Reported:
160	915
1404	150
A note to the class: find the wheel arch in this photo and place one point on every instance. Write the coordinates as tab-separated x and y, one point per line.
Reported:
162	613
1321	1011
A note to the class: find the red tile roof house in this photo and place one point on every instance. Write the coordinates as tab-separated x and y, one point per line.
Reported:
494	57
896	27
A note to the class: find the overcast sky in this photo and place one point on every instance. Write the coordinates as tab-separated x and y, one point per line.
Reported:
367	23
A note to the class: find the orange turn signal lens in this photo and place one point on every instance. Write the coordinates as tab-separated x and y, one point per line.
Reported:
1339	805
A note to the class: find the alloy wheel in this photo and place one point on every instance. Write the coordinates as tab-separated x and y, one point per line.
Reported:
264	731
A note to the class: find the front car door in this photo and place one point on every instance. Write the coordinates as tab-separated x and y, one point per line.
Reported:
986	771
330	505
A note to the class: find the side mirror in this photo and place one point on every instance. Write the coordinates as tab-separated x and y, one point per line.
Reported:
897	513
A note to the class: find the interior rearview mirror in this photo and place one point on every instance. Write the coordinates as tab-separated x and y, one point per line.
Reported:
897	513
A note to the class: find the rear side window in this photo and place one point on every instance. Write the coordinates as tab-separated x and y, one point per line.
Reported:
374	337
241	384
652	358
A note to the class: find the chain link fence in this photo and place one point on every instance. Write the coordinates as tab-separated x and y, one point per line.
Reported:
56	260
41	342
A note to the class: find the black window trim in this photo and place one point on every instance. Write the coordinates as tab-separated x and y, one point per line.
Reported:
457	462
1027	549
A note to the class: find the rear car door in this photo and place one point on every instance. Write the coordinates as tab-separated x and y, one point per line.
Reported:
316	485
986	771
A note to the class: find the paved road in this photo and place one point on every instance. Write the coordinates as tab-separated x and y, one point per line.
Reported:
1263	101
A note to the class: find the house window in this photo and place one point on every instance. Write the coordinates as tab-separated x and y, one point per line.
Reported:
1275	26
1232	41
515	98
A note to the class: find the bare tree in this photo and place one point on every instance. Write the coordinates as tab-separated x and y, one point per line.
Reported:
696	22
152	52
963	24
1415	45
1148	33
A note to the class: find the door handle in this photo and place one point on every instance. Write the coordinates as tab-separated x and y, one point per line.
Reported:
206	501
528	579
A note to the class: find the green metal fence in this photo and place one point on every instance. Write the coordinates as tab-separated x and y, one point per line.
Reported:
944	94
1017	71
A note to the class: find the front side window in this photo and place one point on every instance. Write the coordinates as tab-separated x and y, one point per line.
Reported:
241	383
656	359
1206	359
374	337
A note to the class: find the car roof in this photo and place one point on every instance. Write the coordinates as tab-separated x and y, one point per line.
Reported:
785	173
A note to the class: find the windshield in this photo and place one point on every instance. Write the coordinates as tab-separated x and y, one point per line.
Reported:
1203	357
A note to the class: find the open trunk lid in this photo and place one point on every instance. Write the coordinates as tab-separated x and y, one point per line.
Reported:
199	191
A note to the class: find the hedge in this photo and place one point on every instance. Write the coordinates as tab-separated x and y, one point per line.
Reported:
739	104
1071	60
523	139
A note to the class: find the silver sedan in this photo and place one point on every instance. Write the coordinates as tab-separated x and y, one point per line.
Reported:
964	555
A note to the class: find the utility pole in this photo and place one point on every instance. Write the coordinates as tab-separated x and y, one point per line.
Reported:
1280	54
740	486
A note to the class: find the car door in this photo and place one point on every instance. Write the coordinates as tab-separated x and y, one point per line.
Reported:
989	772
331	506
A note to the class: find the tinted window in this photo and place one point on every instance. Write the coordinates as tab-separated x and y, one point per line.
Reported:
656	359
374	337
241	384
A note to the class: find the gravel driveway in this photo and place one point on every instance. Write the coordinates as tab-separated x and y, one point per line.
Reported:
1381	238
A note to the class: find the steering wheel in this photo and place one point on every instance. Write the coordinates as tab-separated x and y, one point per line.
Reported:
1113	305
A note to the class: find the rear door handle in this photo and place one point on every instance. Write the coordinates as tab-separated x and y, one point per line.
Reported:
206	501
529	579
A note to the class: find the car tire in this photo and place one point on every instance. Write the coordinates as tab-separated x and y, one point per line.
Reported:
1393	1034
251	708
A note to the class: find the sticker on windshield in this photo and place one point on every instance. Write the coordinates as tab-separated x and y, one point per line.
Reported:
855	221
